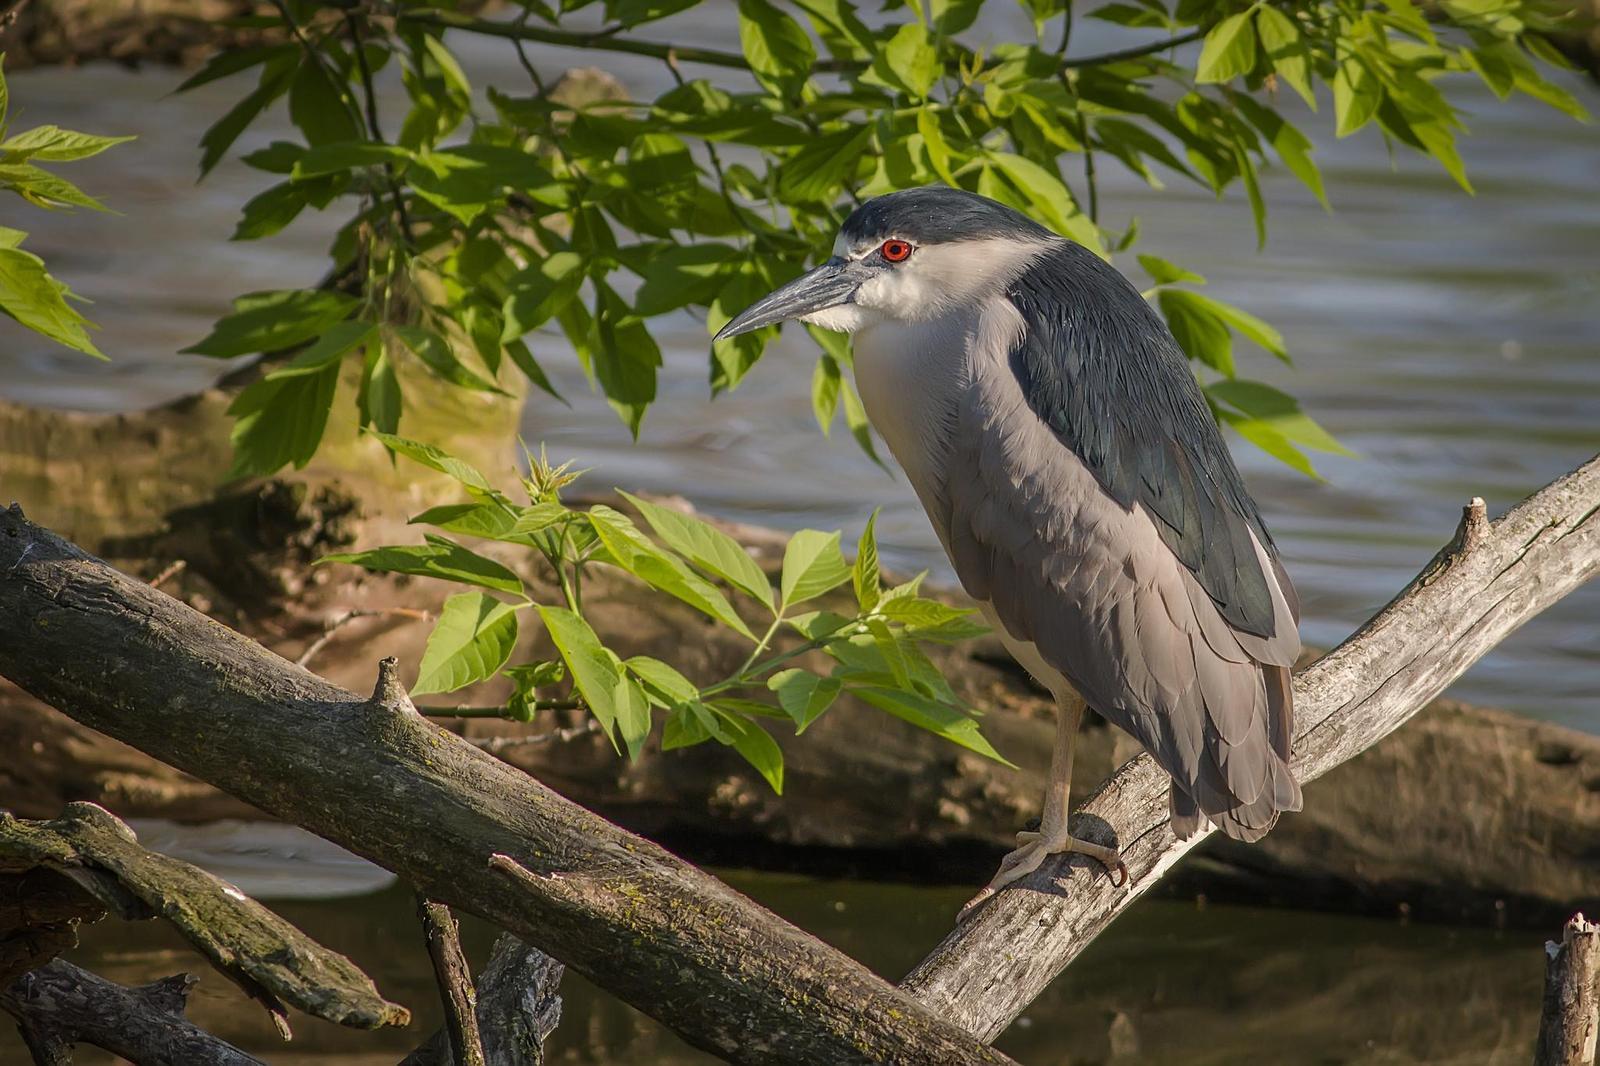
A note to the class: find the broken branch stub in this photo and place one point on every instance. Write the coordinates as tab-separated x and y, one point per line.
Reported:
1489	580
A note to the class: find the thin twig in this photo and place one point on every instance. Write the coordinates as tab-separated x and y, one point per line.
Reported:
168	574
340	620
497	745
373	129
609	40
455	981
500	710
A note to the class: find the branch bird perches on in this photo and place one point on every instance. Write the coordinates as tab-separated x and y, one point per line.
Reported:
730	977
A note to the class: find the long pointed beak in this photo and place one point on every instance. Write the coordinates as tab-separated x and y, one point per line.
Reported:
833	283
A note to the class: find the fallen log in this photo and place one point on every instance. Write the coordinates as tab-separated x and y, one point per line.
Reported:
1488	581
374	776
658	933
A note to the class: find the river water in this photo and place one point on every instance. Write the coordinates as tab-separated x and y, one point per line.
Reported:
1451	341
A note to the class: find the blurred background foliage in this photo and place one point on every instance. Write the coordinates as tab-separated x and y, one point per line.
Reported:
485	213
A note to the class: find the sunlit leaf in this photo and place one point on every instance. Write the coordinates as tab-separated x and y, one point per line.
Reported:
472	640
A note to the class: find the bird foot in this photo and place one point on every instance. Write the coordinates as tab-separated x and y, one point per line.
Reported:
1032	850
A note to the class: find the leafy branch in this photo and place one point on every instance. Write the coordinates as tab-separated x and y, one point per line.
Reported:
585	218
875	647
28	292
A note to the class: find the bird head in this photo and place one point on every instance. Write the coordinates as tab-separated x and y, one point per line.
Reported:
906	256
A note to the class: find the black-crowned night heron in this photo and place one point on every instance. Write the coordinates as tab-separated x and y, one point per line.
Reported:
1055	435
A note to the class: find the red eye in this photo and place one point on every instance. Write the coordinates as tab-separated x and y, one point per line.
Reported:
896	251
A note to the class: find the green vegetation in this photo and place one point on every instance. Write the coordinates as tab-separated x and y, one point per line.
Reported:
485	220
28	293
876	650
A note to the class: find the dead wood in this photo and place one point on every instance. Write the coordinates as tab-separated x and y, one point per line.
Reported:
1488	581
1569	1021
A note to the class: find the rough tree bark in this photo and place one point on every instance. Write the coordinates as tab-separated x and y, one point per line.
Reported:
519	1006
374	776
61	1005
450	970
1569	1023
1486	583
127	660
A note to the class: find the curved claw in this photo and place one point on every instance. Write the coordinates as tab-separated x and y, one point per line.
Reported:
1118	874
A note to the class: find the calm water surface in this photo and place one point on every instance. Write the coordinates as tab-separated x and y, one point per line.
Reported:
1450	340
1170	983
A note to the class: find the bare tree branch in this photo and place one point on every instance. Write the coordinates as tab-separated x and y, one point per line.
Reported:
1569	1021
1486	583
59	1005
383	781
450	970
519	1006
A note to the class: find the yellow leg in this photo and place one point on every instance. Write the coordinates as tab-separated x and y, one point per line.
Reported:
1052	837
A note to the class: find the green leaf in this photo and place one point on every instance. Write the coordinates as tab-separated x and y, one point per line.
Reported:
1243	321
634	553
688	724
909	60
812	565
1163	272
540	292
270	212
57	145
804	695
216	141
1229	51
1292	146
471	642
593	668
937	718
855	416
272	321
683	275
437	459
868	582
707	547
319	107
1276	410
339	156
436	353
279	420
493	520
778	50
758	749
440	558
669	684
44	189
35	299
814	173
326	351
1199	332
229	61
1356	95
633	709
825	380
1286	48
378	402
1048	197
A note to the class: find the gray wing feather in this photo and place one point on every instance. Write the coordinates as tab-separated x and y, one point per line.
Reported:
1093	585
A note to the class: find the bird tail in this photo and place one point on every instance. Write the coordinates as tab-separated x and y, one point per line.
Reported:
1252	820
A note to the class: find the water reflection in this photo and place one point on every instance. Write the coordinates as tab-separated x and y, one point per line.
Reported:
1169	983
